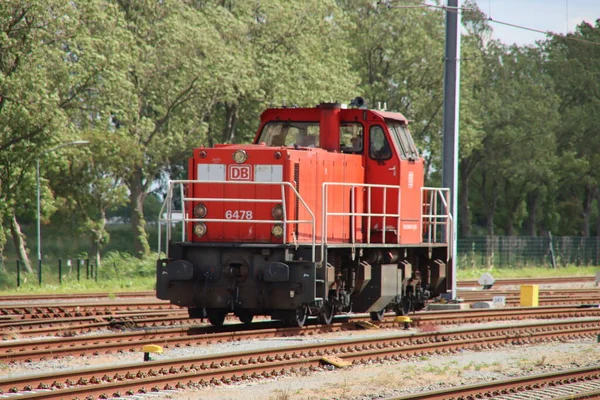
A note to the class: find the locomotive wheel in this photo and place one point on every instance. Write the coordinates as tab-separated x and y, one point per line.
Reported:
377	315
298	317
216	317
326	314
245	316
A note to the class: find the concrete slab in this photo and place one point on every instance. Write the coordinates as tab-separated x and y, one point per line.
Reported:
448	306
483	304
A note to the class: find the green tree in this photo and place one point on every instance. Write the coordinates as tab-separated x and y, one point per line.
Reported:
399	55
48	64
294	53
518	148
574	64
180	66
92	184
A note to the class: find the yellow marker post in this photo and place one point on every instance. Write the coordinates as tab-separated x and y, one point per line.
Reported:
151	348
405	320
530	295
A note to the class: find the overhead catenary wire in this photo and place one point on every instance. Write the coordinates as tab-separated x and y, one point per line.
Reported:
388	4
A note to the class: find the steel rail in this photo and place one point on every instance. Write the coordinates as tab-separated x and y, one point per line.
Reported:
531	386
530	281
185	335
225	368
72	296
92	307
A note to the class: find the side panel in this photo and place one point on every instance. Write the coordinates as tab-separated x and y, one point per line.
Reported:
411	182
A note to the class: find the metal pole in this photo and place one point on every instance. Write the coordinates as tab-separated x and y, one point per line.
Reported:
39	235
451	113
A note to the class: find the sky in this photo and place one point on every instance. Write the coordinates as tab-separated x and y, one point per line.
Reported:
558	16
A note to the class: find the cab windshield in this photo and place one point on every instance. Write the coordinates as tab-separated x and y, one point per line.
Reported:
403	140
287	133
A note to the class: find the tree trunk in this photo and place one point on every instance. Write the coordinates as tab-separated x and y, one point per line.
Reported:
489	218
99	236
231	119
138	223
590	193
464	228
2	243
19	241
598	206
532	205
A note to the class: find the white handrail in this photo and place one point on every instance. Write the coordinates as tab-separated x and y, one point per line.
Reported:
431	217
437	198
325	213
185	219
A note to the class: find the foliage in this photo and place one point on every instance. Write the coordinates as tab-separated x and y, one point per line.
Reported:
146	82
529	272
119	272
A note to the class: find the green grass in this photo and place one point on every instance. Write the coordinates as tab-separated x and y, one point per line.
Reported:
528	272
118	272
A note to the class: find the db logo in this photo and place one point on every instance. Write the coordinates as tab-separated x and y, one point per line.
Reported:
239	173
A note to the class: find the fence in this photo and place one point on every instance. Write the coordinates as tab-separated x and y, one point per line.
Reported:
522	251
81	268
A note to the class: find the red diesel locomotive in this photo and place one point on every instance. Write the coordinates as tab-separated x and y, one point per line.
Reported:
326	212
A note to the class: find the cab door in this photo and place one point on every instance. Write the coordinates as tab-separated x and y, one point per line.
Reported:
382	168
411	181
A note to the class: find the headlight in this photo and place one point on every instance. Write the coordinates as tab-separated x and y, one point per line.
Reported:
240	156
200	229
200	210
277	231
277	212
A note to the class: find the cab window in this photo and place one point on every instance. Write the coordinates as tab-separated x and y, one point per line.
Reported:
303	134
379	147
351	138
403	140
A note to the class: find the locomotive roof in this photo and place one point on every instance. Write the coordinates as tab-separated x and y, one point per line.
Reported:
313	114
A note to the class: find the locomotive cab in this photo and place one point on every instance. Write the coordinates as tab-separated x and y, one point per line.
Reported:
325	212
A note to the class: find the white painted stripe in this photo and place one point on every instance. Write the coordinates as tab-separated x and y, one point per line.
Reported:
211	172
268	173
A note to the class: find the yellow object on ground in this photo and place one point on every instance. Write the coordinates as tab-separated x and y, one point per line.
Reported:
530	295
336	361
152	348
367	325
402	318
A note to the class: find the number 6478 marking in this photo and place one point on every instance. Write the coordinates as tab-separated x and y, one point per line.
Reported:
238	214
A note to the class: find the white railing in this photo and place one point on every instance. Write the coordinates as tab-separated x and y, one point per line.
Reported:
353	212
437	214
435	223
169	220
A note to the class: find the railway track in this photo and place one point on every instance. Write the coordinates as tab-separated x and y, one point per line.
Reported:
74	296
530	281
81	325
91	308
216	369
43	349
579	383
